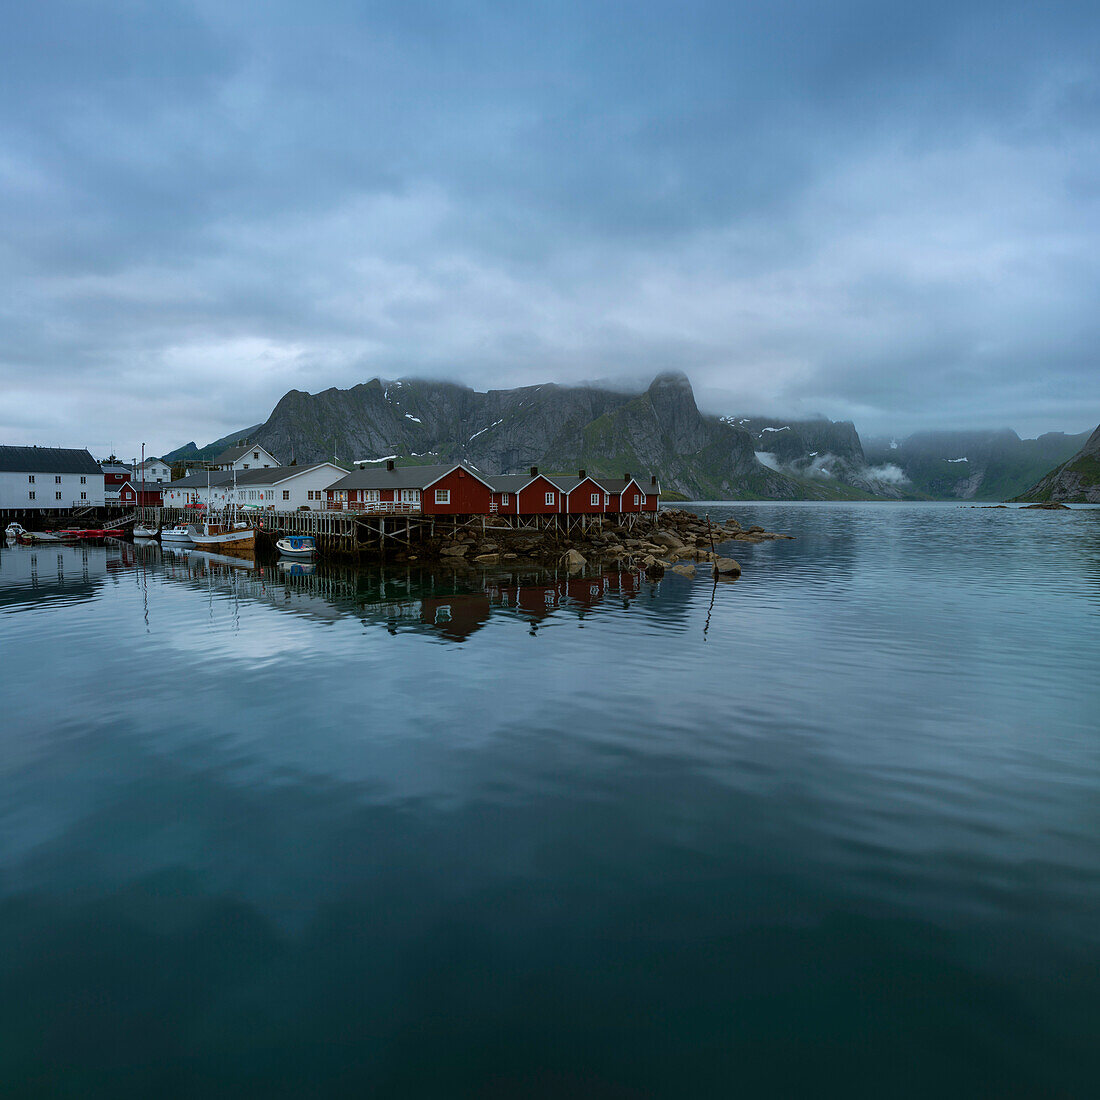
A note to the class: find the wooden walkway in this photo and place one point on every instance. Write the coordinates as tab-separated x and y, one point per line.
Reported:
350	533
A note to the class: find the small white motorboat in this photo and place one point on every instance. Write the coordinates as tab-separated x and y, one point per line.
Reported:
301	547
176	533
13	530
141	531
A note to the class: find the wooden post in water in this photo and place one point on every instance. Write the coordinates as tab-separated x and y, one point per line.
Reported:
711	534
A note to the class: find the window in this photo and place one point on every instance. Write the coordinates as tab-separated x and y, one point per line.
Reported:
57	495
637	499
57	480
271	494
595	499
606	499
83	481
443	496
30	495
83	496
256	455
286	494
549	498
503	498
30	478
246	465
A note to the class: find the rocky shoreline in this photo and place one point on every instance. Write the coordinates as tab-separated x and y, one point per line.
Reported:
677	540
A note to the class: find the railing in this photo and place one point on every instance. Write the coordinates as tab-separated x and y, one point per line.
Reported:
373	507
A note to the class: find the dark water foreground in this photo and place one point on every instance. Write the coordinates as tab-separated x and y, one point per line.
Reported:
832	830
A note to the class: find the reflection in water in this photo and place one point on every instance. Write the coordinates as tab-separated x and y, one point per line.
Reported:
451	605
411	833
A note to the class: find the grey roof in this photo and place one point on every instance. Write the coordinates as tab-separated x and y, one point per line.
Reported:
509	483
274	474
114	467
197	480
619	484
48	460
402	477
231	454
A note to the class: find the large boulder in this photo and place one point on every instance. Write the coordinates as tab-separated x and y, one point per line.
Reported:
726	567
574	560
488	559
684	570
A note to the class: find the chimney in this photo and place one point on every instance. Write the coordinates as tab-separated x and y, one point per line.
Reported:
390	464
534	471
626	475
653	479
582	474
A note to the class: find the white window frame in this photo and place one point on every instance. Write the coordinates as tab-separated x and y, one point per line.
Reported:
595	500
30	494
286	494
606	500
637	498
550	498
504	498
30	479
443	496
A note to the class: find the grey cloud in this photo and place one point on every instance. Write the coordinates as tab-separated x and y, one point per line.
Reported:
868	211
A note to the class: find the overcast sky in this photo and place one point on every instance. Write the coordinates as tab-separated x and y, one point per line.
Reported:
876	211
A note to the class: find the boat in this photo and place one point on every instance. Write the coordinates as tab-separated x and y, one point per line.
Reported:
79	533
144	531
177	534
13	530
46	536
224	538
296	546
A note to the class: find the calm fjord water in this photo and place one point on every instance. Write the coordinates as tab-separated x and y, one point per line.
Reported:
832	829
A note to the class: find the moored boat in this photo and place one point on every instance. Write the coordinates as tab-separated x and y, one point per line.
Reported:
224	538
144	531
178	533
13	530
301	547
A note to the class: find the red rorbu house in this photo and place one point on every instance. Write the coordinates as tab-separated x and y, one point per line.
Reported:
629	495
143	496
530	494
432	490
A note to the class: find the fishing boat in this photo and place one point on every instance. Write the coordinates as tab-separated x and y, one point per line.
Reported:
178	533
224	538
301	547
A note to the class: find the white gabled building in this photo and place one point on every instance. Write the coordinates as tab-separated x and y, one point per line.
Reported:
246	456
284	488
206	488
153	471
34	479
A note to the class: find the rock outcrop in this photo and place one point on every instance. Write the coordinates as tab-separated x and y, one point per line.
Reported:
1076	481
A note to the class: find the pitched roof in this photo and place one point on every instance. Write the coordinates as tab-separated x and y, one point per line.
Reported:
619	484
197	480
510	483
231	454
272	475
401	477
48	460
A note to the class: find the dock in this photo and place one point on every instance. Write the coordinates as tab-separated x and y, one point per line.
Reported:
341	533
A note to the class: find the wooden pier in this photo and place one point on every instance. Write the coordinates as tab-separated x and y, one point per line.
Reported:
351	534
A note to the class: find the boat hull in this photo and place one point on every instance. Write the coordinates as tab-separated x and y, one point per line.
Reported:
239	541
297	547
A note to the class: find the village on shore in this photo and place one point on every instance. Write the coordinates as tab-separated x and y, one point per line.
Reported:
451	511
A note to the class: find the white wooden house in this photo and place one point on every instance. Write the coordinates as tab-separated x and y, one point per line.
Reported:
246	456
34	479
285	488
154	471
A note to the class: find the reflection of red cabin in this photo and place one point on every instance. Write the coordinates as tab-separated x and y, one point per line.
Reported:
143	498
455	617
